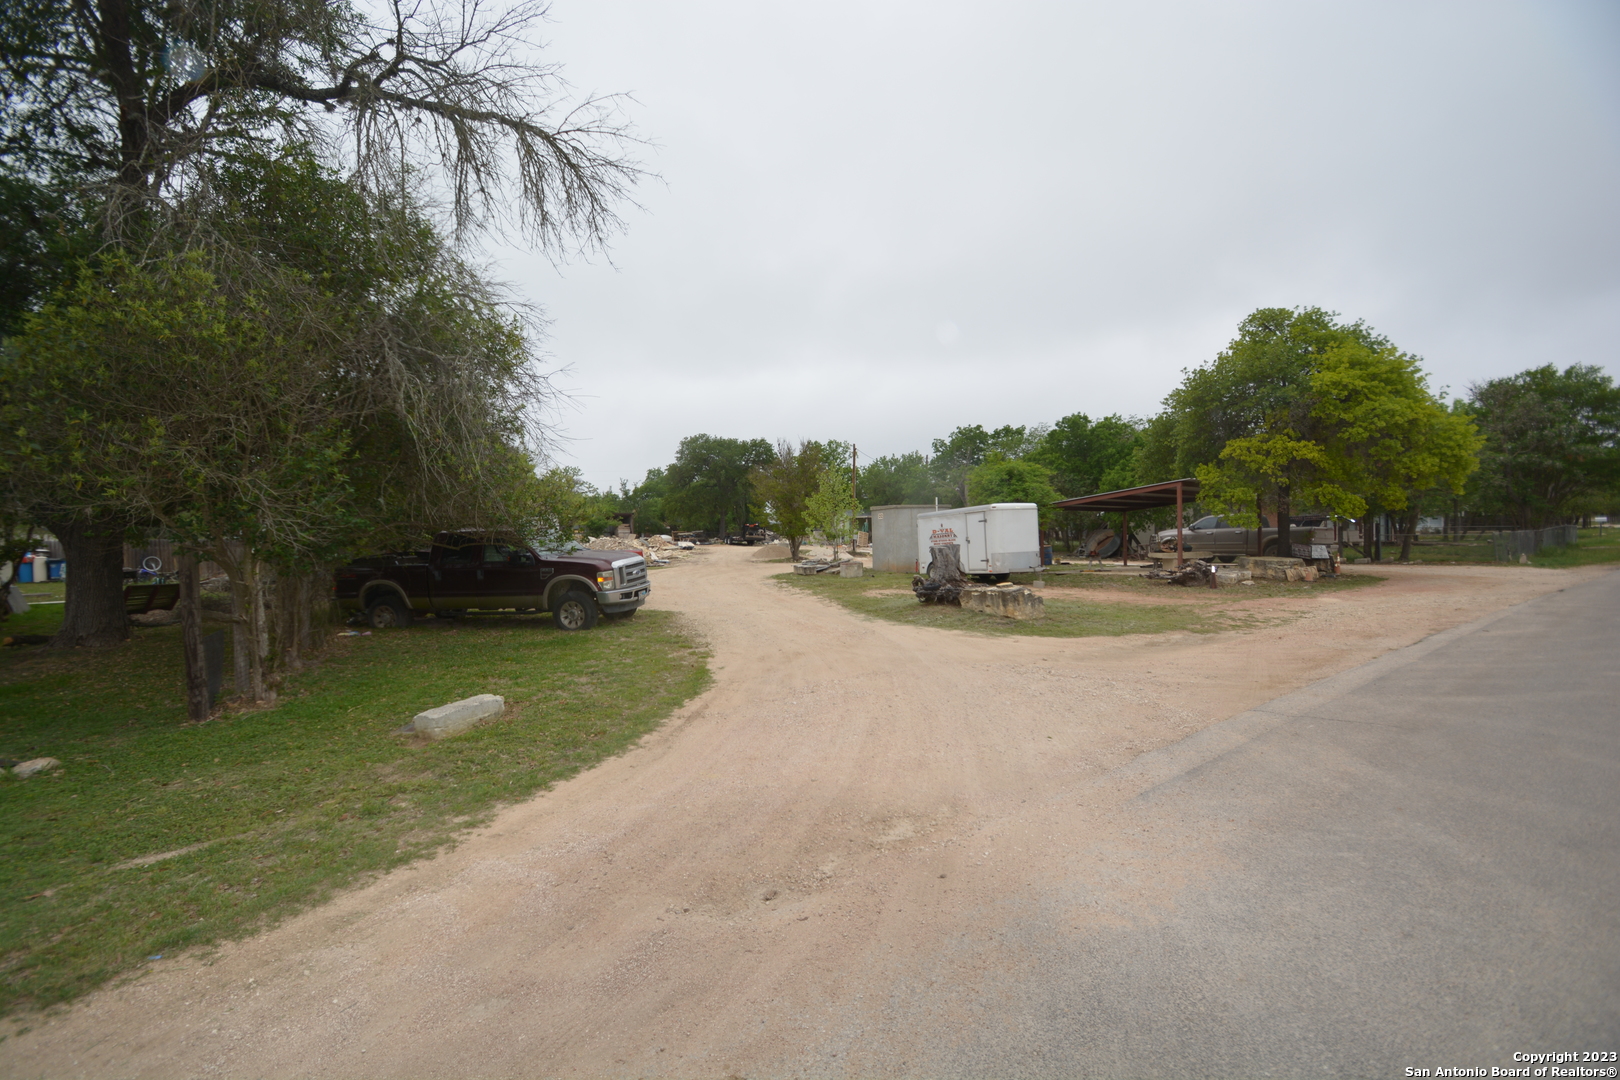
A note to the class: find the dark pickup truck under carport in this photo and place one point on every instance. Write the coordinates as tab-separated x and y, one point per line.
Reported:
462	573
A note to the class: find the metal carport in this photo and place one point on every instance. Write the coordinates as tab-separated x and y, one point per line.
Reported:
1174	493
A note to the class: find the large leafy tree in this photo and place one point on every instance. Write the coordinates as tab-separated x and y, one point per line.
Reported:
1304	407
274	416
897	479
1552	444
966	448
1255	398
786	484
1085	456
116	109
1003	479
709	480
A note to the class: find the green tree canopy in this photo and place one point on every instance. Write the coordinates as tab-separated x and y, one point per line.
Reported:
1086	456
1552	444
967	447
709	480
786	484
1001	480
1302	406
895	480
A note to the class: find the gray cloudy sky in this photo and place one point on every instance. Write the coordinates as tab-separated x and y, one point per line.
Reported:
880	221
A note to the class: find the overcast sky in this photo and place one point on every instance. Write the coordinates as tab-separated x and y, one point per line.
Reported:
877	222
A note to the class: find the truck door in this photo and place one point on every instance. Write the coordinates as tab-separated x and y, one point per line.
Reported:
513	577
1227	539
457	574
976	559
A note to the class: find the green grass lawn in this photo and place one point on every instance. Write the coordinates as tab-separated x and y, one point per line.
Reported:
1592	547
290	802
1068	612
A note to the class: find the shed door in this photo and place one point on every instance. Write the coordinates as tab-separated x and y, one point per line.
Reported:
976	559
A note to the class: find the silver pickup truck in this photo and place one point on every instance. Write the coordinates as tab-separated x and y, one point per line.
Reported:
1213	535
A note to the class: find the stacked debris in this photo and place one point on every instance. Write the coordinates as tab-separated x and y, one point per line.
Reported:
659	550
1197	572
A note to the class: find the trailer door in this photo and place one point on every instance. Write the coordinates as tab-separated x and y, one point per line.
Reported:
976	559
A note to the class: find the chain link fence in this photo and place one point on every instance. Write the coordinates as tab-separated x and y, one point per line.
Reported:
1526	542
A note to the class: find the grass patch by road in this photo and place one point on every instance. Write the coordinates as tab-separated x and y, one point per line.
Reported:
1066	616
1594	546
292	802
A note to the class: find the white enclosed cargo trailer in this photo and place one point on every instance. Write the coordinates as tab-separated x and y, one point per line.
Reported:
998	538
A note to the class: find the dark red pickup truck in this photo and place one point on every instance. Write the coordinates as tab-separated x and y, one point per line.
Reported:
462	572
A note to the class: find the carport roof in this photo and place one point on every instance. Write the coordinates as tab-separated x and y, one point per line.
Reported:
1146	497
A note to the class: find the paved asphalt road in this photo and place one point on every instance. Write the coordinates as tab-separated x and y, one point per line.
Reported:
1413	864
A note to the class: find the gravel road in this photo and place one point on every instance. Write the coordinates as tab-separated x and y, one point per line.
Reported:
830	864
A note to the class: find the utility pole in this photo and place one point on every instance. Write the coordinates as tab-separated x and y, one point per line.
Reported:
854	477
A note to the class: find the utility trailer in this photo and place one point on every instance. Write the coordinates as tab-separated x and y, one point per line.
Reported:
996	539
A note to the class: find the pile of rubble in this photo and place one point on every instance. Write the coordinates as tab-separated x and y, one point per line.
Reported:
659	550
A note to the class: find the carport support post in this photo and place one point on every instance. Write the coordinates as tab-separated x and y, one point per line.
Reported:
1179	559
1124	538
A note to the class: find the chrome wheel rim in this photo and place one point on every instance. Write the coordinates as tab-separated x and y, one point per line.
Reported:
571	614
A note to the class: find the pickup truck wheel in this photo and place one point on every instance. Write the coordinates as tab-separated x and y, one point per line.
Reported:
388	613
575	611
1227	558
1269	549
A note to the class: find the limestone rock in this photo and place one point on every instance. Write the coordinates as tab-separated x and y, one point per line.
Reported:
1009	601
458	716
1272	568
24	769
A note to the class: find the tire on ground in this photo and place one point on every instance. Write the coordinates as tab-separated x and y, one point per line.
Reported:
388	612
576	610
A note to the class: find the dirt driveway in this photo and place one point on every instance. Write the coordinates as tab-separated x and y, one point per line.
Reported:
743	893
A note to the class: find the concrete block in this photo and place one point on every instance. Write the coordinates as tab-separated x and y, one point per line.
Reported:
1015	602
1233	577
458	716
851	569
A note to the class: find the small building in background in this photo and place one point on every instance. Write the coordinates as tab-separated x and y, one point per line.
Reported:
894	536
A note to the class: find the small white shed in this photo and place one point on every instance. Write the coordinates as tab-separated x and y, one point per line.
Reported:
997	538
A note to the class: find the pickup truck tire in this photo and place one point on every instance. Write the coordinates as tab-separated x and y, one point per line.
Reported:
1227	558
575	611
388	613
1269	548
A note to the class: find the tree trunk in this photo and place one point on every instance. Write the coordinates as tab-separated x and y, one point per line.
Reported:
250	637
94	613
1285	509
191	641
793	548
1406	538
294	617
